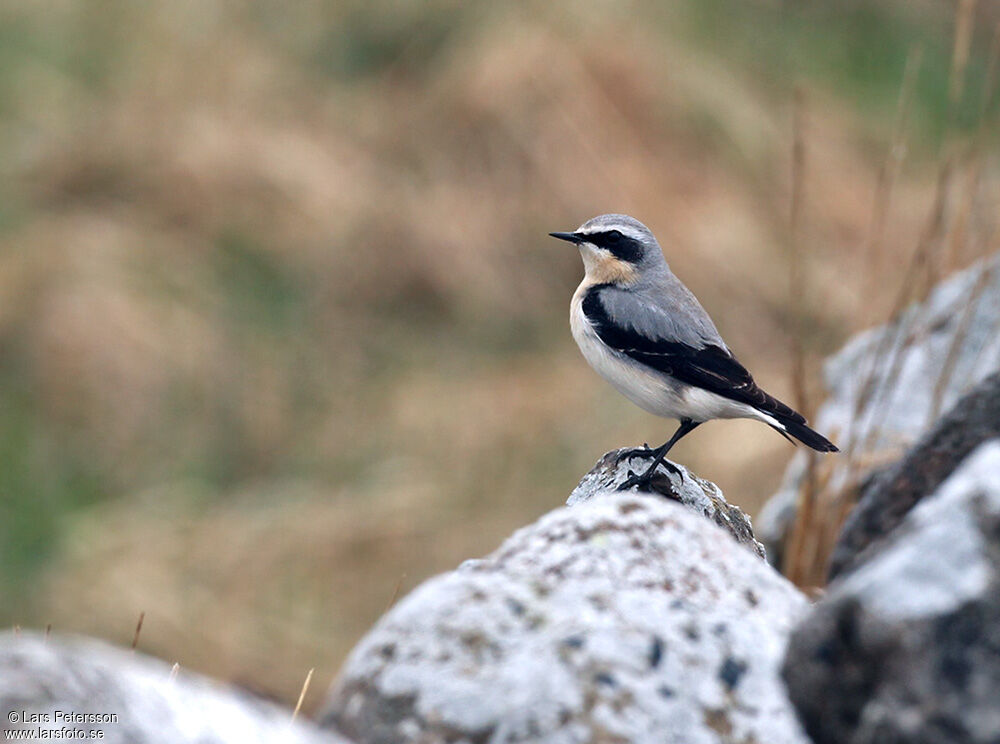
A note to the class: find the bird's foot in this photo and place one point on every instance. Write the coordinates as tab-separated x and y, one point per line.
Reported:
635	480
644	479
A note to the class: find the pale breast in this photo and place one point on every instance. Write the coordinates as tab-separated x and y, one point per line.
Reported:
648	389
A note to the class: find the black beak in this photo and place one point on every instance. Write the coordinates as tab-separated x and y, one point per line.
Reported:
571	237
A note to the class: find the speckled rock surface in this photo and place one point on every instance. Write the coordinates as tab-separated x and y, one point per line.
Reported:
898	413
907	647
892	492
624	619
671	481
40	676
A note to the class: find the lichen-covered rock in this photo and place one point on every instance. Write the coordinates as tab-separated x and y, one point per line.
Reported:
136	699
892	492
905	648
673	481
629	619
905	374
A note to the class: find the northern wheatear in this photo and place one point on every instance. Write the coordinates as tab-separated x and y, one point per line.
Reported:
646	334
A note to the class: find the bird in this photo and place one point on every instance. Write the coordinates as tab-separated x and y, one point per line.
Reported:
644	332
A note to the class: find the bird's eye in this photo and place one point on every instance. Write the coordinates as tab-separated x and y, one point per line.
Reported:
613	240
622	246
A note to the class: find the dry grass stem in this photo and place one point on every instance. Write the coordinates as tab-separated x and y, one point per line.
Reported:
891	167
989	85
984	280
797	280
138	630
302	693
395	593
802	538
958	238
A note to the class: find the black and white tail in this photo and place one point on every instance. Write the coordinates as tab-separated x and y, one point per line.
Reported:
804	434
790	423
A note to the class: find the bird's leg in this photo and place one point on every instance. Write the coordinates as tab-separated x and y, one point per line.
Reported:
686	427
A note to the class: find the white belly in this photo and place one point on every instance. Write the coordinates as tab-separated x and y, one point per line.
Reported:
649	389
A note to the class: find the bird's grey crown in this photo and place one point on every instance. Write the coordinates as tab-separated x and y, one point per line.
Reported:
640	245
628	226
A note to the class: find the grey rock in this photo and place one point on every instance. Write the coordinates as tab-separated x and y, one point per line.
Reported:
623	618
152	703
890	493
905	648
880	410
672	481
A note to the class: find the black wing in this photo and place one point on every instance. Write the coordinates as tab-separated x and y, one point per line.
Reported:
709	367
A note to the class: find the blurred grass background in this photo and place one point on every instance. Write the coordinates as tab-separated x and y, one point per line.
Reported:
281	331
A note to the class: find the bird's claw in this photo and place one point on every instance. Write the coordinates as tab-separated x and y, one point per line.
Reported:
645	479
670	467
634	480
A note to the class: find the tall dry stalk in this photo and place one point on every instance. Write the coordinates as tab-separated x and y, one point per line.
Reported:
797	560
964	15
888	173
302	694
797	287
891	167
138	630
962	43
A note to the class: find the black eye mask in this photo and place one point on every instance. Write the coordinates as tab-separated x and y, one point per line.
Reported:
621	246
